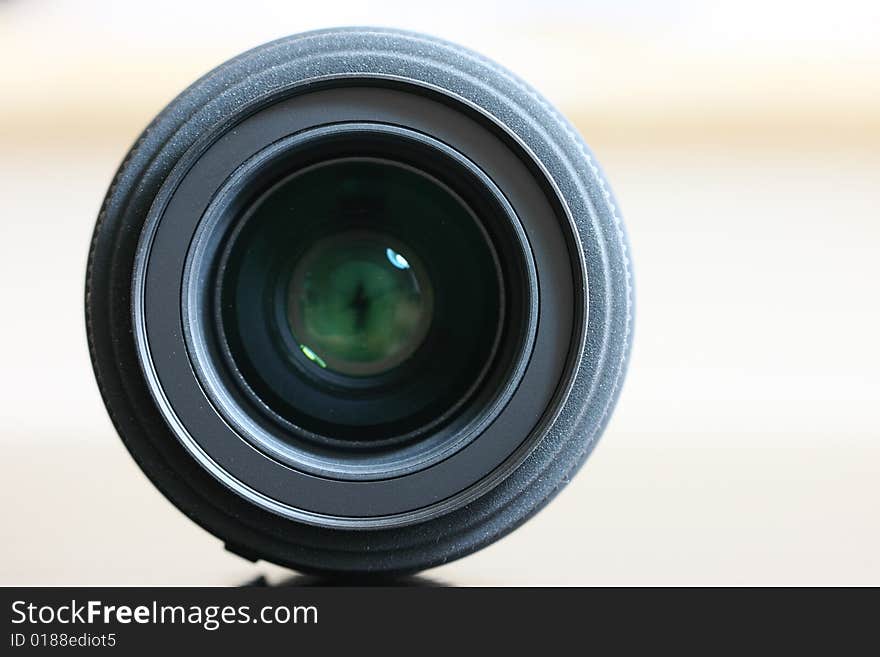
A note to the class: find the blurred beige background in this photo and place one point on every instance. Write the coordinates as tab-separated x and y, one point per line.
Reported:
743	139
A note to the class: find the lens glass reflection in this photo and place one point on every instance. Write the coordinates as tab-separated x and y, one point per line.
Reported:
357	305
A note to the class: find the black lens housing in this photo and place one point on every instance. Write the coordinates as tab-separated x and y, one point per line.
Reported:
313	476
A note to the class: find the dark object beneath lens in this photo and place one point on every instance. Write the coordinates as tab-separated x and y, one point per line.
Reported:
359	301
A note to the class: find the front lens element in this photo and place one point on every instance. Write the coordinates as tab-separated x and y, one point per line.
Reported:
359	303
361	300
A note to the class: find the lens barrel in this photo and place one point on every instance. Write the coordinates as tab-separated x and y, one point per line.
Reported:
359	300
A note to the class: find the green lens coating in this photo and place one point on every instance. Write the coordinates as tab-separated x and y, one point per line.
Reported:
359	303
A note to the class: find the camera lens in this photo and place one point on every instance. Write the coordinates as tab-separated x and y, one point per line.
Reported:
359	300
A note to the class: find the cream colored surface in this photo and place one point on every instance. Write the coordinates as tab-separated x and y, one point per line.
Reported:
746	155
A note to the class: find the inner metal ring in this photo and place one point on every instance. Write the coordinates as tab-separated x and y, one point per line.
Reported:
421	454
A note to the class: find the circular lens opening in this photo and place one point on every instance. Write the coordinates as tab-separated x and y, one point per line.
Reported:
361	302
